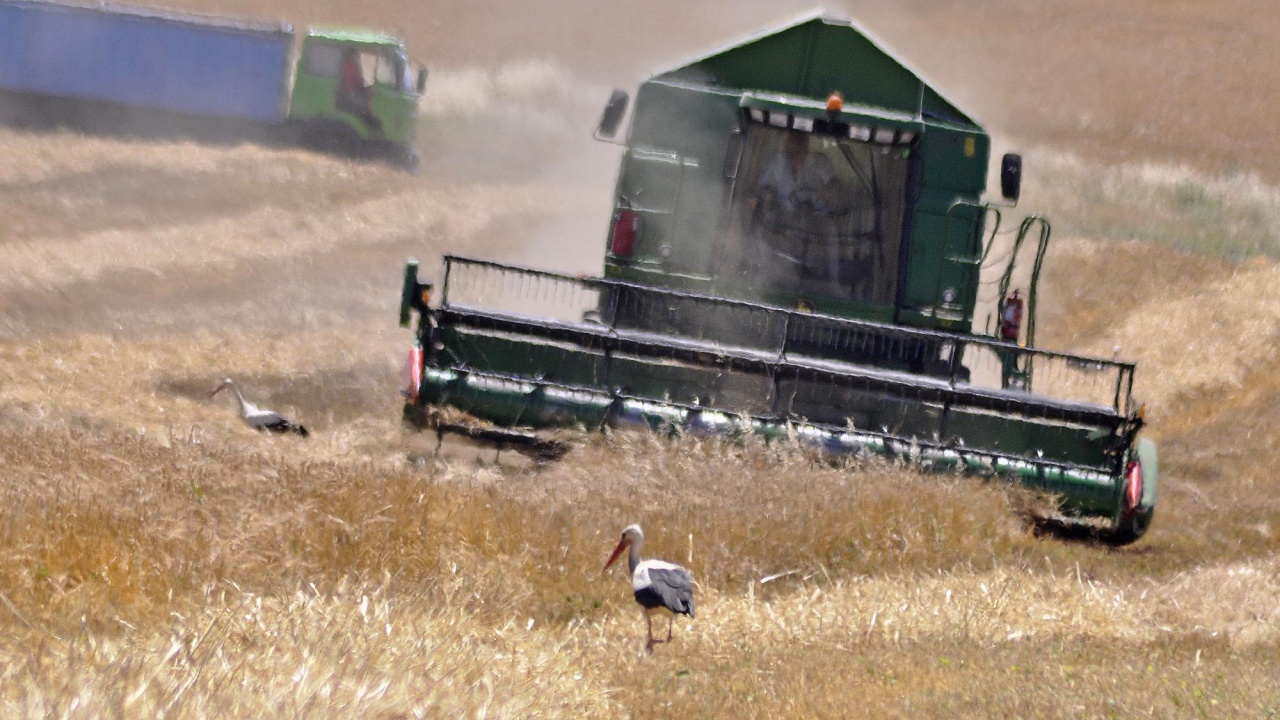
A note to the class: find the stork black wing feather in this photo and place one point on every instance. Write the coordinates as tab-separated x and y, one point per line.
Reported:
675	587
284	426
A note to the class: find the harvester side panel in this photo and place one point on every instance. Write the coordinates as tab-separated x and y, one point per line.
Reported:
673	174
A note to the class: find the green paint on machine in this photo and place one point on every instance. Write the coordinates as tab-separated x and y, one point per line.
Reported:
797	244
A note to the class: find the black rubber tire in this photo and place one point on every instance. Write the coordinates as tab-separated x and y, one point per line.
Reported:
1134	522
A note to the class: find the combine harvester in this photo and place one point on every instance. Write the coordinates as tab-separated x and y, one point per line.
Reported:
796	250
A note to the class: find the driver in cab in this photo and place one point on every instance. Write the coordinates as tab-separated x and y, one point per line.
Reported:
793	200
797	179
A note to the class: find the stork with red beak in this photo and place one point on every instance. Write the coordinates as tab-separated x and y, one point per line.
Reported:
658	585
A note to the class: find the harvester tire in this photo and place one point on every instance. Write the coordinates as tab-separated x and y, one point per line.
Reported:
1136	516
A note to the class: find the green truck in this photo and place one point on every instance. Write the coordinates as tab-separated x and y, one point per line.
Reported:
797	248
130	69
380	118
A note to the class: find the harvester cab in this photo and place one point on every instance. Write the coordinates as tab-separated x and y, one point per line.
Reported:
798	247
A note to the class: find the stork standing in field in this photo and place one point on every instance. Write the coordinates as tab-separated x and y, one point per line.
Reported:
260	418
658	585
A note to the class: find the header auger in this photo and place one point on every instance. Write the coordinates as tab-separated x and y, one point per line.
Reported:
797	248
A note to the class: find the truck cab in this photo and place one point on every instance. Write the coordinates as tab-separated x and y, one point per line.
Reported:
355	89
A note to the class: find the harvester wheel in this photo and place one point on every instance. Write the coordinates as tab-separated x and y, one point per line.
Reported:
1139	498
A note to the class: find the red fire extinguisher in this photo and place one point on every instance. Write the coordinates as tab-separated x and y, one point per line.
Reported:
1011	318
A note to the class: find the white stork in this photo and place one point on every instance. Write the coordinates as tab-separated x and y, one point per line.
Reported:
260	418
658	585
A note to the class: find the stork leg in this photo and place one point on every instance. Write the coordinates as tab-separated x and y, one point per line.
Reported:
670	621
648	622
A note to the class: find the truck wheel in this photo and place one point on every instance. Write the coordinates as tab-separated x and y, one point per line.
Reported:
332	139
411	161
343	142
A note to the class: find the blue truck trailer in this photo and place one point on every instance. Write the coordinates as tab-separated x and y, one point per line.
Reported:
133	68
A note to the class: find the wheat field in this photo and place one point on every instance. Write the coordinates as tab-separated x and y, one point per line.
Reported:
159	559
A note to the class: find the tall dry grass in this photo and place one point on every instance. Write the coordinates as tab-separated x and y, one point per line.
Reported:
191	579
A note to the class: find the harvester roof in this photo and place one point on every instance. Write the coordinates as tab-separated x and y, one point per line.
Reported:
815	55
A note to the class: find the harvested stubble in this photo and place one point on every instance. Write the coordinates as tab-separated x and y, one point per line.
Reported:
157	558
195	578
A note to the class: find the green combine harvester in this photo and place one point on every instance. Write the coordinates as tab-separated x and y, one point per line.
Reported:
797	250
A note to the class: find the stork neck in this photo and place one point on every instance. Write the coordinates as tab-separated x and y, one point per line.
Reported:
633	557
244	406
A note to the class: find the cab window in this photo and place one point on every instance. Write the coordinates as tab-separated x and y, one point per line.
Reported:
819	214
390	71
322	60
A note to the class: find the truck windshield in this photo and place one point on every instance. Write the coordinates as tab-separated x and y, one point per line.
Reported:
817	215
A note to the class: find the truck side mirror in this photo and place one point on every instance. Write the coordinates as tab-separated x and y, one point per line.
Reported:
422	78
1011	176
613	112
